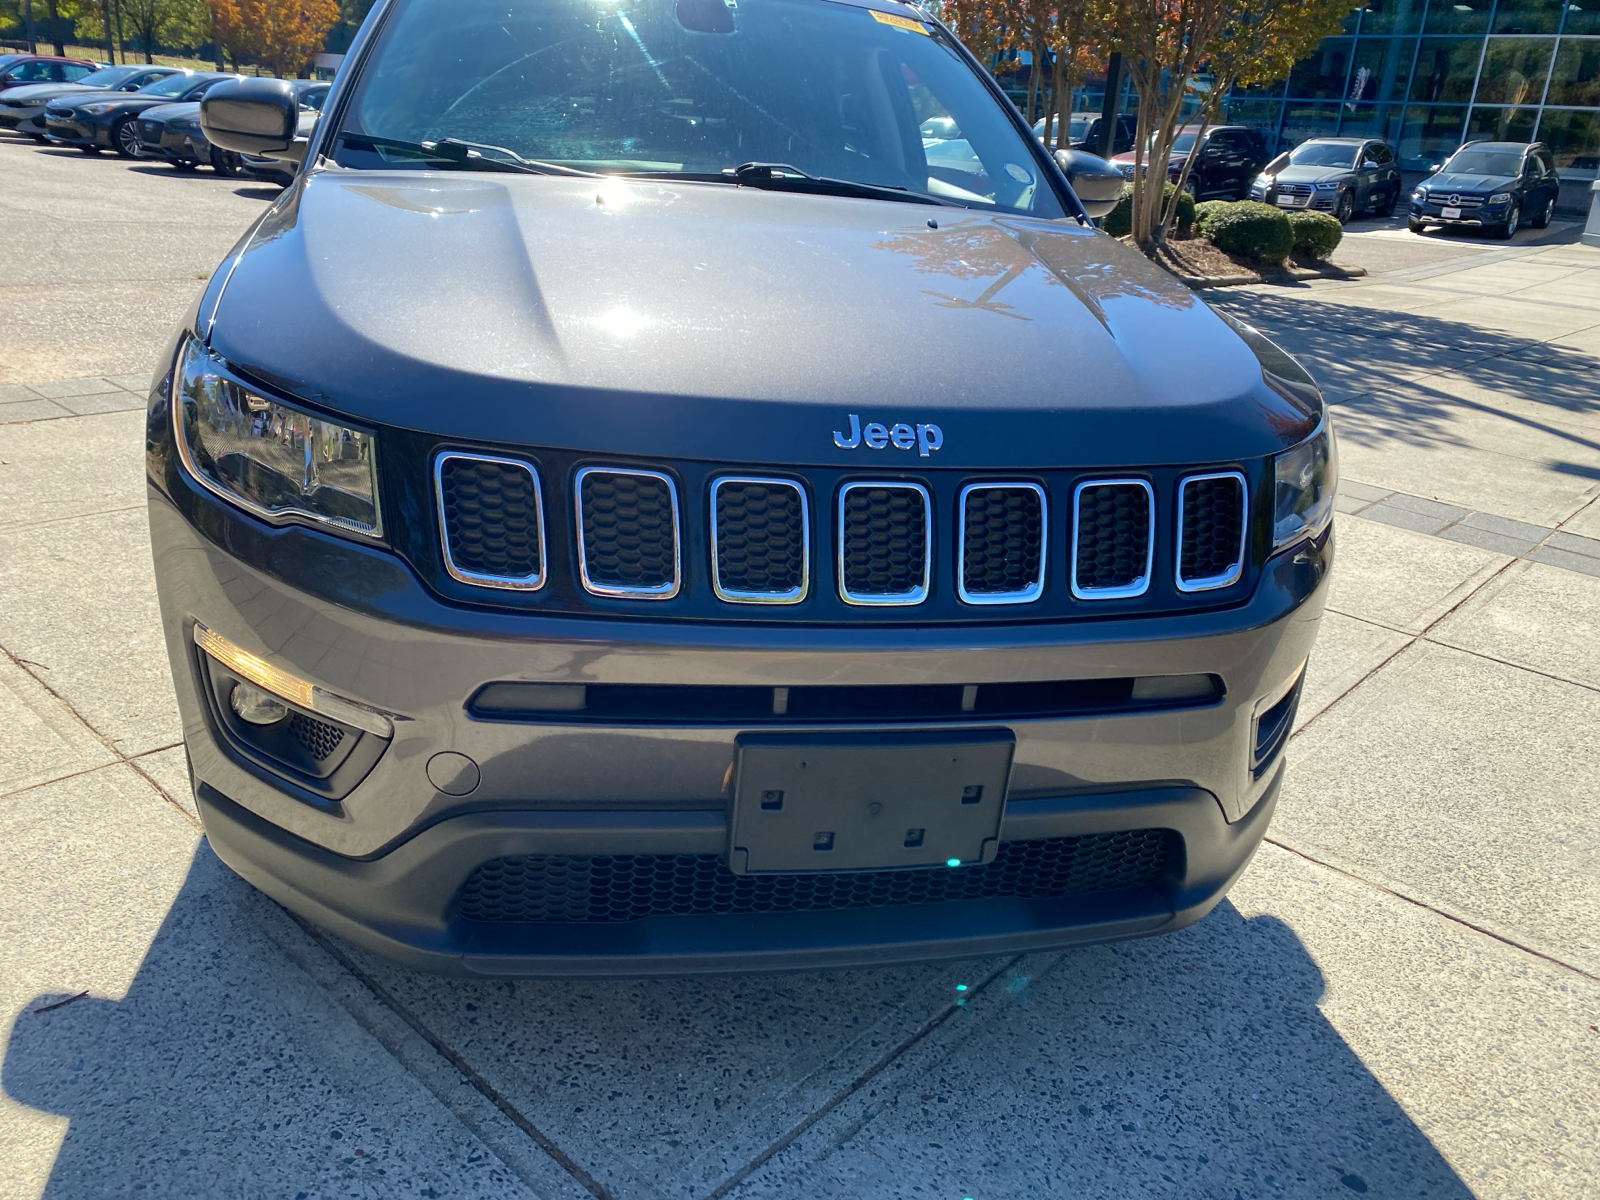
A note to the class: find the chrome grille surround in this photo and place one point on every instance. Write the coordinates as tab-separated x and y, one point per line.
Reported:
1025	595
518	583
1231	576
790	596
915	595
665	591
1136	587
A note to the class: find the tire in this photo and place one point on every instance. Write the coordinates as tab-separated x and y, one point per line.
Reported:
38	138
1507	231
224	162
1414	225
1345	208
89	149
183	164
1542	221
125	138
1386	205
1192	187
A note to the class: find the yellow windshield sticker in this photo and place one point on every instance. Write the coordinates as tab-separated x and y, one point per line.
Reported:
898	22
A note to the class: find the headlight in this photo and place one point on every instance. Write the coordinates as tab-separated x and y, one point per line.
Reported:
1329	187
269	458
1263	181
1419	194
1500	198
1305	481
104	106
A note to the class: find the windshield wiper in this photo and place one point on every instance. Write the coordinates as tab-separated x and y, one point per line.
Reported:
785	177
472	156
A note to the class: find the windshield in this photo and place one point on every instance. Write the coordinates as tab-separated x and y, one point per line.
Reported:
1182	143
695	87
1484	162
7	59
1323	154
170	85
107	77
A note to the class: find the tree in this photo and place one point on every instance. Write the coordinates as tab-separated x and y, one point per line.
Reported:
147	18
1168	43
282	34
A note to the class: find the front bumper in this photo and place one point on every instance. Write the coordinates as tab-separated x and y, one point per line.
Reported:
175	146
1479	217
78	131
20	121
385	862
1316	202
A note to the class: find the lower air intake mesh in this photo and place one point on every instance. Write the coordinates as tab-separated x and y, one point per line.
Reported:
1113	537
1002	542
760	534
630	535
1213	530
491	517
318	738
883	538
631	887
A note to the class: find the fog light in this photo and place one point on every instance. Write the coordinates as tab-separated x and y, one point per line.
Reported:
278	683
255	706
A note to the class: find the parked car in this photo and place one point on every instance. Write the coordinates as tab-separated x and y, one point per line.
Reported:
20	70
310	94
22	108
1083	133
1490	186
1230	157
171	133
591	539
1342	176
96	123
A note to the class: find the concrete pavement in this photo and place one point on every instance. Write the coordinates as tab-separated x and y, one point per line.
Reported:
1400	998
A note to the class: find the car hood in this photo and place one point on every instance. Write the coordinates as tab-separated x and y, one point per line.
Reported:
1294	174
49	91
711	321
167	112
130	100
1455	181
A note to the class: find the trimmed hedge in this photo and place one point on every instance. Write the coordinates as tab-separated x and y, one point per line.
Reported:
1255	230
1315	233
1203	212
1119	221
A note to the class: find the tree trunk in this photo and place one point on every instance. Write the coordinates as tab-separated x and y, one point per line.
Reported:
55	29
1033	87
27	26
1183	176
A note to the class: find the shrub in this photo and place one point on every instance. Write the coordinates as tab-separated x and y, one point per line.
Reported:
1255	230
1204	211
1119	221
1315	233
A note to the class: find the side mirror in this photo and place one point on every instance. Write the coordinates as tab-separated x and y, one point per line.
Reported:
1096	182
1435	168
253	116
1369	165
1276	165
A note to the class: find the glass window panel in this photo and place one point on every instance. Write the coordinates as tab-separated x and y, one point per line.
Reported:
1382	69
1429	135
1445	70
1514	70
1582	17
1576	79
1458	16
1303	121
1321	75
1372	120
1260	115
1392	16
1574	141
1351	18
1528	16
1501	124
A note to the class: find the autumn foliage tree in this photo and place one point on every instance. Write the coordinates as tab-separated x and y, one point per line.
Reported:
283	35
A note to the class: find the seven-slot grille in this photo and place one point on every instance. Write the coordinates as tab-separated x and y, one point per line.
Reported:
760	541
1211	531
1003	527
1112	546
628	539
885	543
492	516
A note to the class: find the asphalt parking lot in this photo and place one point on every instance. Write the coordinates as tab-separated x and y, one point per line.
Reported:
1401	997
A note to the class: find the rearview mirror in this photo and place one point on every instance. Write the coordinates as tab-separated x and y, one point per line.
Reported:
1097	184
253	116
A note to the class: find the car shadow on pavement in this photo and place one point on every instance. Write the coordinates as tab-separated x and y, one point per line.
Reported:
1192	1065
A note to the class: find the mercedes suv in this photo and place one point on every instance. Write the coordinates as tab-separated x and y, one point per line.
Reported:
627	508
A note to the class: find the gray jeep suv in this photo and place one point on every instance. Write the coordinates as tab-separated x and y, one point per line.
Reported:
628	508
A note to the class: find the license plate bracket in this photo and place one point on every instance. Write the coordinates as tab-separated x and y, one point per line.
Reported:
1450	214
867	802
1287	201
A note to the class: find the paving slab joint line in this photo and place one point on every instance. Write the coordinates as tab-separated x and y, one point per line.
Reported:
859	1082
591	1185
1351	871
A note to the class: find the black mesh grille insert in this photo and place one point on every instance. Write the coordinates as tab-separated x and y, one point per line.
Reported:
491	517
630	536
631	887
760	537
1113	536
1213	528
883	541
318	737
1002	544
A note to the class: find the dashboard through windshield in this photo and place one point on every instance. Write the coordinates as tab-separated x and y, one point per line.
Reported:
693	88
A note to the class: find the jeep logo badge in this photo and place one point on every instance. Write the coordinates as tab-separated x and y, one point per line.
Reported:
925	438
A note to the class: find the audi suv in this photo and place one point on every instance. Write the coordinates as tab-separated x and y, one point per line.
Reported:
626	508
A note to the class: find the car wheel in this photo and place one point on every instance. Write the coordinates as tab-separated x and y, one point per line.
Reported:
1513	218
90	149
1414	225
183	164
1390	199
38	137
1191	186
1542	221
224	162
1345	208
125	137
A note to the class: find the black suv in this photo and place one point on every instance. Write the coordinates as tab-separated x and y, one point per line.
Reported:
1230	156
1491	186
590	537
